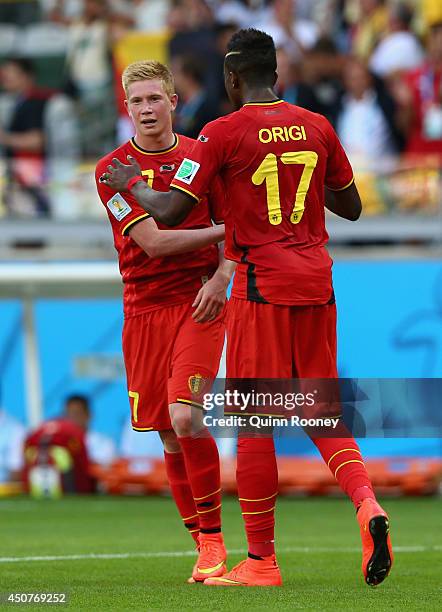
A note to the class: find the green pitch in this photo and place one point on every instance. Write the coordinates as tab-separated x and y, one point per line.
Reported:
138	570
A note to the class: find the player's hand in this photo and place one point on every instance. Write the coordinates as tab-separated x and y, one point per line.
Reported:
118	174
210	300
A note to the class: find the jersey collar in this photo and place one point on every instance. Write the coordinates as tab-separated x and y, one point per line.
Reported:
159	151
269	103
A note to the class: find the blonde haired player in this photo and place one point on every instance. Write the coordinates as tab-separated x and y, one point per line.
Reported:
175	283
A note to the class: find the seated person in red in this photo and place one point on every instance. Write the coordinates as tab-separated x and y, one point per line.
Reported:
56	459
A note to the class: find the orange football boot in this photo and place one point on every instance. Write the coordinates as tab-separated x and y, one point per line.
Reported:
211	559
250	573
377	553
191	580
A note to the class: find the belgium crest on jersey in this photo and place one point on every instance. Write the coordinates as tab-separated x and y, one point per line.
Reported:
196	383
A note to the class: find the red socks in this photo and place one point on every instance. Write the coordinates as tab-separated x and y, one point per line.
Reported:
203	471
257	477
181	492
343	457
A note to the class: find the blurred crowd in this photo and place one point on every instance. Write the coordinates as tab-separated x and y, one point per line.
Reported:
373	67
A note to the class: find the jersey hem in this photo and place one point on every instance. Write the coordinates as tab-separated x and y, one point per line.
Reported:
153	307
318	302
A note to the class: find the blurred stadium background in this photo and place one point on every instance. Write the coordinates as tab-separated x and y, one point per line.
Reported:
372	67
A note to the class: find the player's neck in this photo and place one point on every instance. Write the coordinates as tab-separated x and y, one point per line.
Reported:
259	94
155	143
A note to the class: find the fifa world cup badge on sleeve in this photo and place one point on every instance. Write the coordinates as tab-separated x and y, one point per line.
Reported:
187	170
118	206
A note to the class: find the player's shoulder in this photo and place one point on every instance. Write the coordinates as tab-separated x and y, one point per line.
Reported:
184	143
320	125
308	116
221	125
120	153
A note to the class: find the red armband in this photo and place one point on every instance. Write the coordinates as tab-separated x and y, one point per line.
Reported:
131	182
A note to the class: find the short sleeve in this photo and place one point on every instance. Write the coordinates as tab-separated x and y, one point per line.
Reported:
122	208
202	163
339	173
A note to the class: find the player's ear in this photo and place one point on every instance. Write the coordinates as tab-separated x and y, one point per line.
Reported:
173	102
126	106
234	80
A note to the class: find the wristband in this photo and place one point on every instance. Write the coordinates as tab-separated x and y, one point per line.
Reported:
131	182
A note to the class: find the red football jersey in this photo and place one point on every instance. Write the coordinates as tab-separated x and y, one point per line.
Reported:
63	433
274	159
150	283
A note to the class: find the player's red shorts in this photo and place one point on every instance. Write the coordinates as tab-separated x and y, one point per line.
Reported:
269	341
168	359
266	341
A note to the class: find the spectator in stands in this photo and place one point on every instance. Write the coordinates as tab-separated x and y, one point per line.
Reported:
22	138
90	75
322	12
288	31
243	13
142	15
290	87
62	140
196	105
323	68
101	449
422	99
12	436
233	11
370	23
223	34
61	11
400	49
149	15
88	59
193	33
366	122
192	25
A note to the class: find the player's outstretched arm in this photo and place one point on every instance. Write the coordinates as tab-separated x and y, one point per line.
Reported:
159	243
169	208
346	203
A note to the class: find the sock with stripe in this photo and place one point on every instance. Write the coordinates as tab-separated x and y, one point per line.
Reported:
257	477
181	492
203	471
344	459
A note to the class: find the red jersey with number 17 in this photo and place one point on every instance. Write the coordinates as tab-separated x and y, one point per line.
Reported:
274	159
150	283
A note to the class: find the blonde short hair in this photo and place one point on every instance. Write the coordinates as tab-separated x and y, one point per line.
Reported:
147	70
